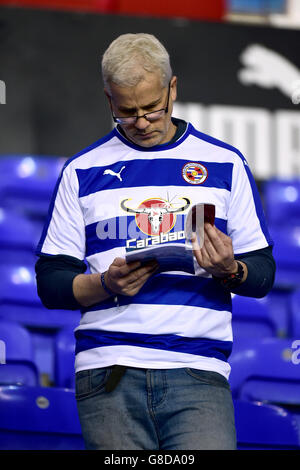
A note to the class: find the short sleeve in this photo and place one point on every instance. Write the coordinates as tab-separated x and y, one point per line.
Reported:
246	224
64	231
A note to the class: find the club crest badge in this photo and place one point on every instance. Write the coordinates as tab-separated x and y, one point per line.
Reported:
194	173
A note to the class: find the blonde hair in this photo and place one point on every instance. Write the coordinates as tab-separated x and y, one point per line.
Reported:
129	56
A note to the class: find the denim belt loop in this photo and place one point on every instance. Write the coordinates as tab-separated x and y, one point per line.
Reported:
115	377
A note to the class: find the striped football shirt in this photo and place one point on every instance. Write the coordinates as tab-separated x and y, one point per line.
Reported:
178	319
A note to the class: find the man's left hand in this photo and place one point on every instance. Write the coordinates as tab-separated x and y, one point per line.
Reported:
216	255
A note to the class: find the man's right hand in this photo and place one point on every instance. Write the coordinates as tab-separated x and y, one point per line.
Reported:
120	278
128	279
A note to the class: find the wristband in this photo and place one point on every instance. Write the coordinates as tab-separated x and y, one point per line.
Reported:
107	289
232	280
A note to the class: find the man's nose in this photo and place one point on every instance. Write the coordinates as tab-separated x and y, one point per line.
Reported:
142	123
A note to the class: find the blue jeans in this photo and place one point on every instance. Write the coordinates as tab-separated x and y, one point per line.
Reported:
156	409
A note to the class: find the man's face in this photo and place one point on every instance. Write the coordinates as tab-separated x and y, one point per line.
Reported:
145	97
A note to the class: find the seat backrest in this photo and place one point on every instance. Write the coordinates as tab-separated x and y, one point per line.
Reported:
19	300
260	426
64	354
19	364
30	174
286	246
264	370
17	340
282	197
286	253
295	313
251	318
18	284
17	231
39	418
27	182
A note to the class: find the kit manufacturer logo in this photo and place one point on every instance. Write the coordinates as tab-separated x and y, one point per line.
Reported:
113	173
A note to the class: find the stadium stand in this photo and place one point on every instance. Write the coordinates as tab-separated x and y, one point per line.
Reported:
38	418
261	426
27	183
282	202
264	370
252	317
18	238
282	207
64	354
19	302
295	313
19	367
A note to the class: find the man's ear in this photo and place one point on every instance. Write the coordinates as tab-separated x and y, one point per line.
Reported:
173	86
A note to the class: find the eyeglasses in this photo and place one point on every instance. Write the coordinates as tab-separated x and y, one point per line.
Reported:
152	116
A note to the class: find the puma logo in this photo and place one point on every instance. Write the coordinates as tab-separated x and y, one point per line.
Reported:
113	173
269	69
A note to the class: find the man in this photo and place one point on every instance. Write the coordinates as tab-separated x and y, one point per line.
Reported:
152	347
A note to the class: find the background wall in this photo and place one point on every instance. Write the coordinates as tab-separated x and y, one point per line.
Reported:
234	83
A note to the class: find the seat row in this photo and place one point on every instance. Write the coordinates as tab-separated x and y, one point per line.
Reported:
275	316
44	418
265	383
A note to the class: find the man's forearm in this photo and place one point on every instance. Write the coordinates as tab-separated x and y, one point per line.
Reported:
88	290
61	283
260	276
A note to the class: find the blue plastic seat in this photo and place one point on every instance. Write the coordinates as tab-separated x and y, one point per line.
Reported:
19	300
282	202
27	182
18	238
295	313
39	418
19	366
286	253
64	354
251	317
265	370
282	207
278	300
261	426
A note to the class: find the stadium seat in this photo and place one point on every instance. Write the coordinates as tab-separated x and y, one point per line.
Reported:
286	253
295	313
64	354
282	207
20	302
27	182
18	238
252	318
265	370
261	426
18	365
282	202
39	418
278	300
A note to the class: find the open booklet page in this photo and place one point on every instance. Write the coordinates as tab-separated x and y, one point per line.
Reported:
175	253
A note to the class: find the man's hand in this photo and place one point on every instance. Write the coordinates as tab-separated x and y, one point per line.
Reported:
216	255
128	279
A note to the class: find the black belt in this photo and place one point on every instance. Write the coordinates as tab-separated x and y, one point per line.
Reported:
115	377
